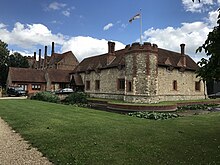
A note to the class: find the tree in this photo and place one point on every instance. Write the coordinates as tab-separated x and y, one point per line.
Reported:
210	68
4	53
6	61
17	60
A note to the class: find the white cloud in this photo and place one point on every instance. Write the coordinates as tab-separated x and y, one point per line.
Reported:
23	53
84	47
66	13
28	36
108	26
212	18
2	26
192	34
196	6
60	6
56	6
124	25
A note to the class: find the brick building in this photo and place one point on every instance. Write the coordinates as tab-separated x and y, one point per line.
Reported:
34	80
45	74
139	73
64	61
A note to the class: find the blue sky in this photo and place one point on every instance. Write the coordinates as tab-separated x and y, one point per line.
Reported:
85	26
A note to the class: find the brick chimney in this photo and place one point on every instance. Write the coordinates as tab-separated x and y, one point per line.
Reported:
182	46
111	47
45	57
35	56
52	49
39	65
183	56
111	52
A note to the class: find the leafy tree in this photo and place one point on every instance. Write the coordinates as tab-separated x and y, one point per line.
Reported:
210	68
6	61
4	53
17	60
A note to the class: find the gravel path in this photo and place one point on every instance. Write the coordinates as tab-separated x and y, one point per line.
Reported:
15	151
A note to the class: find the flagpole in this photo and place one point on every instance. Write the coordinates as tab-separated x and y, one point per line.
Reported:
140	27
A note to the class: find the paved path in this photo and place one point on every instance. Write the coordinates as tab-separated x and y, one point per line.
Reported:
15	151
9	98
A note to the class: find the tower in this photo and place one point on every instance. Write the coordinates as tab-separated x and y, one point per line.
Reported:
141	69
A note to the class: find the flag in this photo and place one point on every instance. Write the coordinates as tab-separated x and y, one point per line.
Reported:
135	17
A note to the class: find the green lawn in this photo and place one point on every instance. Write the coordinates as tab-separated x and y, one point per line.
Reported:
72	135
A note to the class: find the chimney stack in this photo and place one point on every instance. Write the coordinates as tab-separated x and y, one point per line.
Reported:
111	52
45	57
39	58
182	46
52	49
35	56
111	47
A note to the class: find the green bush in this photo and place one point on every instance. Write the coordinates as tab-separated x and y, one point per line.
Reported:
196	107
76	98
46	96
153	115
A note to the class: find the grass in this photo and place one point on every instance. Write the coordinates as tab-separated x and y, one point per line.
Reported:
72	135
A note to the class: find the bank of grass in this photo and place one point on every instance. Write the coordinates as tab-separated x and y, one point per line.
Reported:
73	135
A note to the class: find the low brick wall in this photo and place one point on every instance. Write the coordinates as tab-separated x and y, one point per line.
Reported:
133	108
125	108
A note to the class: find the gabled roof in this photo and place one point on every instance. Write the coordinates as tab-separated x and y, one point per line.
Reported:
38	76
26	75
59	76
165	58
56	57
174	59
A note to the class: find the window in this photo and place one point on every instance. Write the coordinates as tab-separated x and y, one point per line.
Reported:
175	85
23	86
36	86
97	84
121	84
197	85
87	85
129	86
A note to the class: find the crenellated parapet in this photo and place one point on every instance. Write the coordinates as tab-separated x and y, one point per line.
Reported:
137	47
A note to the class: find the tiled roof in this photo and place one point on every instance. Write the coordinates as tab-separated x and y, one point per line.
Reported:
77	80
174	57
165	58
38	76
59	76
56	57
26	75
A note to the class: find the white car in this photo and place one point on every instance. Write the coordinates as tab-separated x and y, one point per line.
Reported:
66	90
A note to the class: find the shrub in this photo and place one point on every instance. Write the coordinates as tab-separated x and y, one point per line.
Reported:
76	98
196	107
46	96
154	115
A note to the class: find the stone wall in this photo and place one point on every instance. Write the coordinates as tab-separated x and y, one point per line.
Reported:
145	82
108	83
185	85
